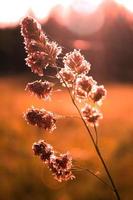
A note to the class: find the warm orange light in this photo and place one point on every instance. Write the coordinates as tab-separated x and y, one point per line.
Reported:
81	44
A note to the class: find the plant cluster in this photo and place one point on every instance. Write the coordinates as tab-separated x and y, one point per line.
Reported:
85	93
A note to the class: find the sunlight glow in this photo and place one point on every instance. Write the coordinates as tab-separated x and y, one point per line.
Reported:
85	24
11	11
126	3
42	8
86	6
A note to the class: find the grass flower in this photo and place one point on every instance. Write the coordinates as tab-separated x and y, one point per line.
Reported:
82	88
76	62
60	166
91	115
67	75
43	150
41	51
41	118
98	93
40	89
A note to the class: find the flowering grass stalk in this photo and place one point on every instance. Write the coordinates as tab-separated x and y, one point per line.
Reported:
85	93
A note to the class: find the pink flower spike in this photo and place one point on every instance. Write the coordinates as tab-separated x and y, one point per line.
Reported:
41	118
41	52
83	86
31	29
98	93
40	89
76	62
61	167
91	115
43	150
67	75
37	62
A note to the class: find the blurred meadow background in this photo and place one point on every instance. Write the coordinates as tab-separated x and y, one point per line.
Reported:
103	30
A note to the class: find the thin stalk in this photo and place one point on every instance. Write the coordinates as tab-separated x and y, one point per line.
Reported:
107	170
95	145
96	133
92	173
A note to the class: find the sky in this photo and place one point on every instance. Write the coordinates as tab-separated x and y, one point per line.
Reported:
12	11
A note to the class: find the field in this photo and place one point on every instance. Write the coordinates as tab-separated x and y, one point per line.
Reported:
24	177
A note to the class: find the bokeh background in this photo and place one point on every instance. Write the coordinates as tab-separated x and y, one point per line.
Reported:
103	30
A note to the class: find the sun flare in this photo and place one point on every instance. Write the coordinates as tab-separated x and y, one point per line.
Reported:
86	6
128	4
12	11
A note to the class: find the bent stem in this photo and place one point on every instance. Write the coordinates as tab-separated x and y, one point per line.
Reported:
95	128
107	170
94	143
94	174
